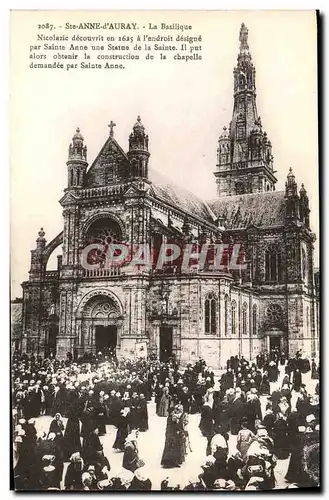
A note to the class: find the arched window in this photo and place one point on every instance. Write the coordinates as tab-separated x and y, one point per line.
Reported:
102	231
71	177
233	309
244	318
226	315
254	321
210	314
273	268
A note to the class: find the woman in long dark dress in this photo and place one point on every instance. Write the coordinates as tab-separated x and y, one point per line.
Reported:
164	403
281	437
73	477
72	442
175	444
314	373
206	422
143	419
297	380
131	460
123	429
265	385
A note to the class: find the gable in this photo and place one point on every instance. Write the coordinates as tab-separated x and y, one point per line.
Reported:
110	166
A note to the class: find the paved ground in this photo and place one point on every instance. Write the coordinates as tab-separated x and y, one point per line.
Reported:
151	445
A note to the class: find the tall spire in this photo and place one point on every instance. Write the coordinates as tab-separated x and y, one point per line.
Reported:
245	161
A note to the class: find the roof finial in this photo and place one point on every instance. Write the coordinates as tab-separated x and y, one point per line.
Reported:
243	37
111	126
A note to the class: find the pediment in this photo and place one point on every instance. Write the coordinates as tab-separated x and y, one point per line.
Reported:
137	188
68	199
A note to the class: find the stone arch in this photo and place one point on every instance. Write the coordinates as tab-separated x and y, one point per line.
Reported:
51	247
98	293
102	214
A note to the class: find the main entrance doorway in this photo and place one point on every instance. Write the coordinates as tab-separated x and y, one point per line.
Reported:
106	338
275	343
165	343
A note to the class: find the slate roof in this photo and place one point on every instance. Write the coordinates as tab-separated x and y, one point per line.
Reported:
258	209
166	190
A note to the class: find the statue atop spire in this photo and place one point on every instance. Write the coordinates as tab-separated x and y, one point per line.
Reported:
243	38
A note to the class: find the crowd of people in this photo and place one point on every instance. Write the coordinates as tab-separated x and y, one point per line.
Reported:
98	392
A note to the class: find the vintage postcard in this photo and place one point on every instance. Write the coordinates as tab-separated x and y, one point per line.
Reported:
165	322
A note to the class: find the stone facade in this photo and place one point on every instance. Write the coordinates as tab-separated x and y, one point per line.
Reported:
188	313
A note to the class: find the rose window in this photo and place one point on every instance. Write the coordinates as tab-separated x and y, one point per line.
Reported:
103	232
274	313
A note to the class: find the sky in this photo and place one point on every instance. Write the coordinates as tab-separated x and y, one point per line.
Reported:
183	106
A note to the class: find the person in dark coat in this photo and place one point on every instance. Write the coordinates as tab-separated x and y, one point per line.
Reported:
131	460
236	413
71	441
252	411
314	371
268	421
158	391
265	385
123	429
143	414
297	380
206	424
91	444
134	411
73	476
307	439
184	397
140	481
49	477
209	474
56	426
227	380
281	437
101	415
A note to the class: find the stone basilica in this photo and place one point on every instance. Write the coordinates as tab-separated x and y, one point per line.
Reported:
171	311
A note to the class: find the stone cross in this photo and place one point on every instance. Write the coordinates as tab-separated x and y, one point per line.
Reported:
111	126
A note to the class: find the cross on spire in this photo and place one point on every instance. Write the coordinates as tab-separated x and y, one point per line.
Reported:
111	126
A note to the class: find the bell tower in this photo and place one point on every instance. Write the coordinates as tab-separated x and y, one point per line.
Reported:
77	161
244	154
138	153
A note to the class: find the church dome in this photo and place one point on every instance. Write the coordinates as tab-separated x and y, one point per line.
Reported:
77	136
302	190
224	134
290	174
138	125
